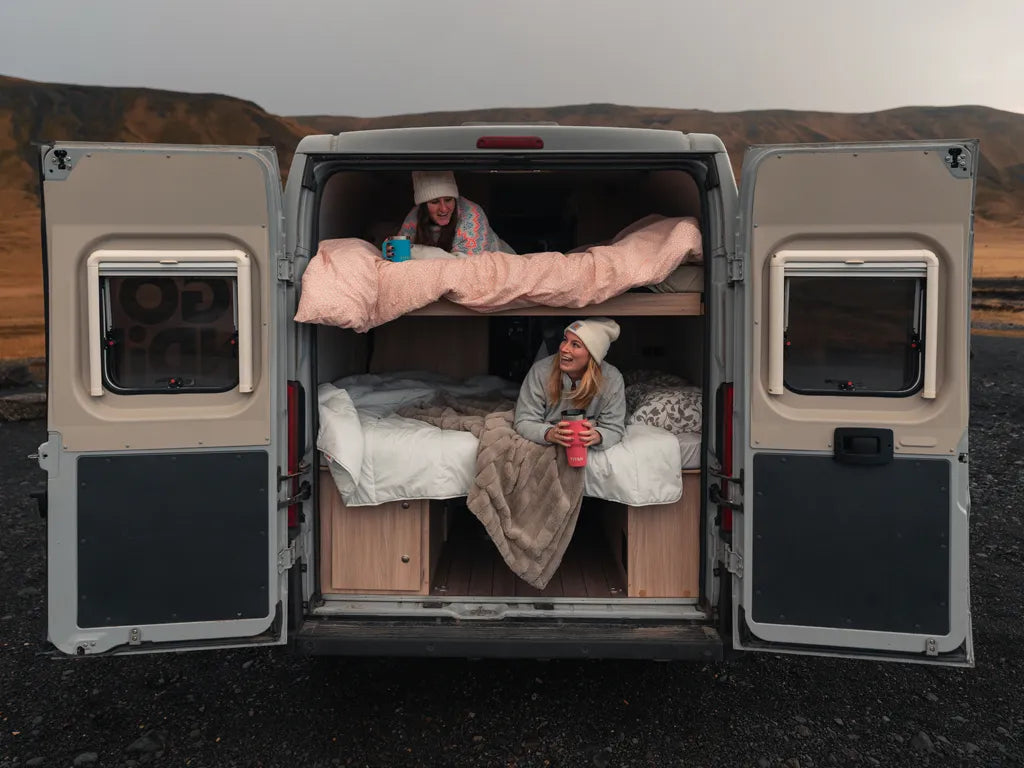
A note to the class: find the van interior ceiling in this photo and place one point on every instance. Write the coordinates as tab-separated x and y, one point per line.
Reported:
534	211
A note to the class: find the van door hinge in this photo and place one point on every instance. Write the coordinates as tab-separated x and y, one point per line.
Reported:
736	480
305	492
734	563
734	265
304	467
286	268
715	497
48	456
286	558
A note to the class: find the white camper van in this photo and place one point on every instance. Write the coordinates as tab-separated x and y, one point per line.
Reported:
221	474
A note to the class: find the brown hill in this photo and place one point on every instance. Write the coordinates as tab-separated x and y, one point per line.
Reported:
1000	196
31	111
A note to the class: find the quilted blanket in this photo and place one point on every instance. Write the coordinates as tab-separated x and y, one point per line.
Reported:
348	284
525	494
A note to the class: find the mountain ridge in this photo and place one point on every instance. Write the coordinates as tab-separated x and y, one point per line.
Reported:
33	111
39	112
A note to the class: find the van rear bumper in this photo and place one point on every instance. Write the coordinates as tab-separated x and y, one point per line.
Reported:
508	639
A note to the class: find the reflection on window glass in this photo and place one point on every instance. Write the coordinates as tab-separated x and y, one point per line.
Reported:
170	334
853	335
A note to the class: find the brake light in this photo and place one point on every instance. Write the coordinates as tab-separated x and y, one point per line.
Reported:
510	142
296	421
727	402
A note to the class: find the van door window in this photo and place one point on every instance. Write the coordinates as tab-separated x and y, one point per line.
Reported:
853	322
169	321
170	333
853	335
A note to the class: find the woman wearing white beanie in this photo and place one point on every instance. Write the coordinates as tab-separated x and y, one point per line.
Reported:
444	220
576	378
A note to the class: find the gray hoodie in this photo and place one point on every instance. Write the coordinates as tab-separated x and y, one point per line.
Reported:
535	415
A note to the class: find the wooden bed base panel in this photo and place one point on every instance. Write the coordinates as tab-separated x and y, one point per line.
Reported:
618	306
394	548
659	546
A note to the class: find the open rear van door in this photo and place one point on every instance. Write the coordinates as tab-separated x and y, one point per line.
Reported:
852	537
165	351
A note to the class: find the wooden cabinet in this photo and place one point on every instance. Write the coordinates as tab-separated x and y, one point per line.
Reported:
658	546
383	549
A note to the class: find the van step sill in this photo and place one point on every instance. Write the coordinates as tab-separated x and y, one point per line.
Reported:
509	639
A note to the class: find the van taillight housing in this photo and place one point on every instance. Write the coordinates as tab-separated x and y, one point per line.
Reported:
510	142
296	430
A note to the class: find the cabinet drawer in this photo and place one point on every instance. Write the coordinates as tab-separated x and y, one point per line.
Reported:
373	549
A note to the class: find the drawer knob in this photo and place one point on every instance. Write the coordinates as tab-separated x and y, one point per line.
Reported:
405	558
405	505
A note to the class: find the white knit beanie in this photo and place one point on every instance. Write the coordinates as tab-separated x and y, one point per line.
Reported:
430	185
597	334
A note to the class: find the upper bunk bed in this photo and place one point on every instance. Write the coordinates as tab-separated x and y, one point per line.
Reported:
613	243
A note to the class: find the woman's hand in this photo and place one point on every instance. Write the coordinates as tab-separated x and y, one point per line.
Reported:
560	434
589	436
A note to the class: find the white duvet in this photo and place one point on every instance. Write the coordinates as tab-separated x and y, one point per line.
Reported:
375	456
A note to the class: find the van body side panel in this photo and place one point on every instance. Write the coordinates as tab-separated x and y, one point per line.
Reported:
859	198
186	198
853	533
163	528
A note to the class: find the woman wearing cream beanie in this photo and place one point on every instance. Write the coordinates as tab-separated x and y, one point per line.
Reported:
577	377
445	220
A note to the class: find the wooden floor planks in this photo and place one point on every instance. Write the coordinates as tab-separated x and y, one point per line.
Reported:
470	565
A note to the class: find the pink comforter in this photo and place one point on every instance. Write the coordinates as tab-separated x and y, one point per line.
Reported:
348	284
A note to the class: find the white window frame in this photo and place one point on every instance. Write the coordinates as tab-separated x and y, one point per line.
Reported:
850	263
142	263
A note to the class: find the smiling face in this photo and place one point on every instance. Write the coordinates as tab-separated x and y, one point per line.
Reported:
572	356
441	210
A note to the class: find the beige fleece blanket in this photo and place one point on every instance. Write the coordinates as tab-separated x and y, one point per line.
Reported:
348	284
525	494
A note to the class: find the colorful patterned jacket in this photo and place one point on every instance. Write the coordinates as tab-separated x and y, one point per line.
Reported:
473	233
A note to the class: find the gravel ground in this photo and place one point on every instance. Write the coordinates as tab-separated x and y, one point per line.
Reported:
271	708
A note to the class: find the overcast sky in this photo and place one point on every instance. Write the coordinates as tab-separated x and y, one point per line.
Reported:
379	57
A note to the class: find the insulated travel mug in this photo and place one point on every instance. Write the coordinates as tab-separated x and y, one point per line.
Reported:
400	246
577	451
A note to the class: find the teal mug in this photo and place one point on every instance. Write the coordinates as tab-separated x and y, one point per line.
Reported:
397	248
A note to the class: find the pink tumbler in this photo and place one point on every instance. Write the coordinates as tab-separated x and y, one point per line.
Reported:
577	451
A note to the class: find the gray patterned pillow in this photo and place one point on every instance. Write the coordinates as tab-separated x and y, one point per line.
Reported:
639	383
676	409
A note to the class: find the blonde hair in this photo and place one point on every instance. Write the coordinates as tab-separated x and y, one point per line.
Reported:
586	390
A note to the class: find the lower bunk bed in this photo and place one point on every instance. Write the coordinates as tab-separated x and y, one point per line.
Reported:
393	517
429	547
